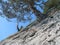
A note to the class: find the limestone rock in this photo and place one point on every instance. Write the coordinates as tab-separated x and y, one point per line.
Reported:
45	33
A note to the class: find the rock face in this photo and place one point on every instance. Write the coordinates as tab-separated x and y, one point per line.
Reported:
45	33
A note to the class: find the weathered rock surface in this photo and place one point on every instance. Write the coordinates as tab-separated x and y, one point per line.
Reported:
45	33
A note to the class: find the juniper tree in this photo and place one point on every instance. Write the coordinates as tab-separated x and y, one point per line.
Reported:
50	4
20	9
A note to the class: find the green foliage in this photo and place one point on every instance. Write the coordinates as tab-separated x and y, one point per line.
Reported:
58	7
14	1
50	4
20	9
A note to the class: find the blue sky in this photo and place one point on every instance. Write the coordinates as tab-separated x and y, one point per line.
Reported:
8	28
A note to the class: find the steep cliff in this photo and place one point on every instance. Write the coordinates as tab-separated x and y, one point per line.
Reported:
45	33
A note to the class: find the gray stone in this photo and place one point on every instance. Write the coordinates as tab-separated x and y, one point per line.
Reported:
47	33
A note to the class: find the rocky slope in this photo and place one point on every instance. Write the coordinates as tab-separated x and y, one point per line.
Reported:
45	33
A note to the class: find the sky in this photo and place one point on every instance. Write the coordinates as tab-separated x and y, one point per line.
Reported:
9	28
6	28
